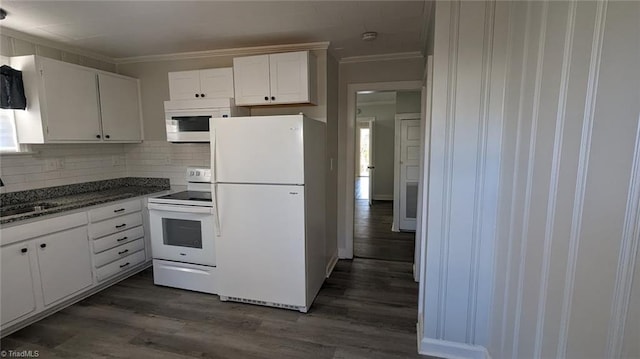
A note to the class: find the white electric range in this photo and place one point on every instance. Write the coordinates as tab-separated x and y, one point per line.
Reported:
182	235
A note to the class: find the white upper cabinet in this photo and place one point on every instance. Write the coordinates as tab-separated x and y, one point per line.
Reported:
120	108
251	77
285	78
68	103
209	83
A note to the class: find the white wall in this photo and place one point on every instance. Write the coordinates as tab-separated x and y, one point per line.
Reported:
536	118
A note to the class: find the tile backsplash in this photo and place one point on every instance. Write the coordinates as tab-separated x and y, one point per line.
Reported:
165	159
59	164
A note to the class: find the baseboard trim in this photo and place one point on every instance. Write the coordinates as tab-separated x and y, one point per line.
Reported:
332	264
382	197
342	254
452	350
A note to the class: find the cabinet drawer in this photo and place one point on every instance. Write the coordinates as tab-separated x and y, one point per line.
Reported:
122	251
121	265
116	239
115	225
114	210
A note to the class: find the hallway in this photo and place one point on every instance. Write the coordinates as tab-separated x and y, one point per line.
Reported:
373	237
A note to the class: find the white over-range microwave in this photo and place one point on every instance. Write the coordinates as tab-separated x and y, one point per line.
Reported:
188	120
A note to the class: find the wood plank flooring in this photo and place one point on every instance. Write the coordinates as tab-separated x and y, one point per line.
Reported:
366	309
373	237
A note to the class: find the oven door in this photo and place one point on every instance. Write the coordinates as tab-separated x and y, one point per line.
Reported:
182	233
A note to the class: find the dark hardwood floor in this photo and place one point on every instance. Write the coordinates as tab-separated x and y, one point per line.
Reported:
373	237
366	309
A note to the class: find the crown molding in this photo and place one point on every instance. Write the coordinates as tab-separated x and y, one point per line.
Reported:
241	51
383	57
36	40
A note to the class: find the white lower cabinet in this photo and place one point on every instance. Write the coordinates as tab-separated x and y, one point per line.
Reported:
49	264
118	238
64	260
18	295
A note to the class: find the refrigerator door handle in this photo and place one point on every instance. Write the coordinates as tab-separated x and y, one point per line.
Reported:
214	199
212	144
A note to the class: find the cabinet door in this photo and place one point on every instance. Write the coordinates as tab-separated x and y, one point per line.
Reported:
120	108
65	263
216	83
251	80
71	95
184	85
289	77
16	293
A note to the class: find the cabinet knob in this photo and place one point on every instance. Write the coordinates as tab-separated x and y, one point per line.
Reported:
107	136
201	95
273	98
197	95
43	245
97	136
266	98
24	250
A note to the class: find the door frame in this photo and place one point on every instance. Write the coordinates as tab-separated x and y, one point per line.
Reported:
396	165
372	159
348	204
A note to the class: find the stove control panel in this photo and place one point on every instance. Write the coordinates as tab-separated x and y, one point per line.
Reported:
199	175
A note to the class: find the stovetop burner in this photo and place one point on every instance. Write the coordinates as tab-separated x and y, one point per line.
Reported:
189	196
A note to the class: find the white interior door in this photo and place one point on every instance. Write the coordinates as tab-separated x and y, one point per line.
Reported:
261	243
409	173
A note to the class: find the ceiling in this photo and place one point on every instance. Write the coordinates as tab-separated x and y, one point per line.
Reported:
121	29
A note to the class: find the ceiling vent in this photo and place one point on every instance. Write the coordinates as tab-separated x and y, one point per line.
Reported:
369	36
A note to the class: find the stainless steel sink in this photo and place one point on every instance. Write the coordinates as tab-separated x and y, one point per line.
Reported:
22	209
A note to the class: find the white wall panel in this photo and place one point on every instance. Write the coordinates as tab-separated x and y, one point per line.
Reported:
564	91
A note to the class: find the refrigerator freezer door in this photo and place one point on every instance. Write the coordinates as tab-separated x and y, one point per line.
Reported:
259	149
261	248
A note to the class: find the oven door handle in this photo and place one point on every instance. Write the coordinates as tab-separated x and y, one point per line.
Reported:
181	209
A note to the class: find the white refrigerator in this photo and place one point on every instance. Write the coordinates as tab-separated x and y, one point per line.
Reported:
269	192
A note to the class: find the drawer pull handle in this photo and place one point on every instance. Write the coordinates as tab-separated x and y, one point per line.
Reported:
124	265
121	239
121	225
43	245
123	252
24	250
118	210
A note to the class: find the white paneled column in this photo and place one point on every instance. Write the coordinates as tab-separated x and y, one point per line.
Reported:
534	184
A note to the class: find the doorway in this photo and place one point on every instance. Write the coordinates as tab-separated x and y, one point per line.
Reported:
376	172
383	218
365	161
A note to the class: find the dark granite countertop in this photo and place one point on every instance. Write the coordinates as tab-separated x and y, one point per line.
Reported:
59	199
